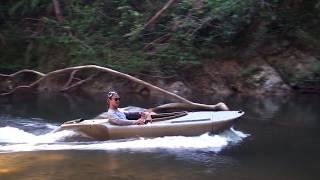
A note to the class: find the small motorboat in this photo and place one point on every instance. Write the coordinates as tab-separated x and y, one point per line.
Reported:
164	124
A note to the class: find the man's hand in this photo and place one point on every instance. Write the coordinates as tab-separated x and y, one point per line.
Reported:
146	115
140	121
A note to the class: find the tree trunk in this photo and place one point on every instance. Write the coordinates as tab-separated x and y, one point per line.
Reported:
158	14
57	10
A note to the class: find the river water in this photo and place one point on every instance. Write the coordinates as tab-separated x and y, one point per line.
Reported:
277	138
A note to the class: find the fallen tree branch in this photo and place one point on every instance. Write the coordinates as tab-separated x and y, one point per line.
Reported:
123	75
204	22
78	83
69	80
14	90
157	40
25	86
186	105
103	69
23	71
10	77
158	14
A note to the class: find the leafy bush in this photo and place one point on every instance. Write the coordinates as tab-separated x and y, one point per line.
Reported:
113	33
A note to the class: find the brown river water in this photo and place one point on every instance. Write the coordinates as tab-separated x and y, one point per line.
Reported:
277	138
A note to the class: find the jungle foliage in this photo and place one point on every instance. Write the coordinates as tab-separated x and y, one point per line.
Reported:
114	33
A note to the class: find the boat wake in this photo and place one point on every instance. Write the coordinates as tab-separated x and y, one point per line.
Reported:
13	139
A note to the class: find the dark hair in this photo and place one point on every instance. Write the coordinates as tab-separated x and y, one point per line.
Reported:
109	96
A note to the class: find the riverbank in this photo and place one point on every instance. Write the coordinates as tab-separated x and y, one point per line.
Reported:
211	47
285	72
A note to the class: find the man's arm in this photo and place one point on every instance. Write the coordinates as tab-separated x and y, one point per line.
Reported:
117	121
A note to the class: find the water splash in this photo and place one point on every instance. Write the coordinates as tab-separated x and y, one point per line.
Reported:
14	135
15	140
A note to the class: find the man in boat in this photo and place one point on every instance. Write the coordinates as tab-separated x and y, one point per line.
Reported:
120	118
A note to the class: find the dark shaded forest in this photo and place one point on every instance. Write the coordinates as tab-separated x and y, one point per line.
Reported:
161	38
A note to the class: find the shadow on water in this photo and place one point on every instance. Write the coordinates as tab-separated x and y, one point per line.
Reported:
299	111
62	107
291	111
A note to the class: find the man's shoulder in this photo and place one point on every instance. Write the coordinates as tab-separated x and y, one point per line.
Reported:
111	111
103	115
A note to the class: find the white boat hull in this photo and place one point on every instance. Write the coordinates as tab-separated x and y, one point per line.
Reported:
192	124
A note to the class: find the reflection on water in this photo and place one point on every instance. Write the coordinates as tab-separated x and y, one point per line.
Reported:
299	111
283	143
99	165
62	107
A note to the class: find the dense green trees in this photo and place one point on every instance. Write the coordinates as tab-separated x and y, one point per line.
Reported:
49	34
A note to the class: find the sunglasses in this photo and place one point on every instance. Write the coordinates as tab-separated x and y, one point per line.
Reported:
116	99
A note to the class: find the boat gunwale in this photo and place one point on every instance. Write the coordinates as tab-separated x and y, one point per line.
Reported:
170	122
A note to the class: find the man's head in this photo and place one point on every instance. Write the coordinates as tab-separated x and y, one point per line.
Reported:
113	99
